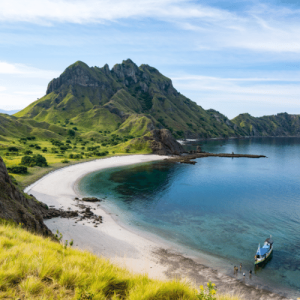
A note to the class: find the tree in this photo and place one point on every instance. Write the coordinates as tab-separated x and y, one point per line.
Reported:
13	149
71	132
35	160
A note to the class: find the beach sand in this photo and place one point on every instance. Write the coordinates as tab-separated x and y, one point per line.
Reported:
124	247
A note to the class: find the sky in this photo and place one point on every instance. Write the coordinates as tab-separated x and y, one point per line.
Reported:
232	56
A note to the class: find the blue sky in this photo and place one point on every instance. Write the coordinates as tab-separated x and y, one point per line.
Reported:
233	56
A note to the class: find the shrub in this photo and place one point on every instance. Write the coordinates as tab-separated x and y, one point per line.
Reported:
71	132
56	143
27	152
30	138
35	160
17	169
37	147
65	161
13	149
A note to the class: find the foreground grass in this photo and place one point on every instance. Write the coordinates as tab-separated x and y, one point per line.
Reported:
33	267
37	268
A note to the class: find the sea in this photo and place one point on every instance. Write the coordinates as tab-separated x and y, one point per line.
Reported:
220	207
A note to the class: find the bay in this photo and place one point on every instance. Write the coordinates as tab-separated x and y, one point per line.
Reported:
222	207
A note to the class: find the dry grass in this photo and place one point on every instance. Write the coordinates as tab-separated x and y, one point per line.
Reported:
33	267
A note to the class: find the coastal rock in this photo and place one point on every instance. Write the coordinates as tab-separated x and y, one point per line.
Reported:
91	199
162	142
19	207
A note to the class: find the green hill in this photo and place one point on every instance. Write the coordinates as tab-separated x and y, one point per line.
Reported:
126	100
277	125
11	126
130	101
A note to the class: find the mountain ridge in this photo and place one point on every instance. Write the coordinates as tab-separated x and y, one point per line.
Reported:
132	100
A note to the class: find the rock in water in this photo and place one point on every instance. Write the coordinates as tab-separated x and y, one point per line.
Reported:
91	199
162	142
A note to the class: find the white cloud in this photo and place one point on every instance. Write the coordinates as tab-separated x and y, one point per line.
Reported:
262	28
233	96
22	84
90	11
23	70
226	87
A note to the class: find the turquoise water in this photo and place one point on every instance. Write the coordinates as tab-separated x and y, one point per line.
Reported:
220	206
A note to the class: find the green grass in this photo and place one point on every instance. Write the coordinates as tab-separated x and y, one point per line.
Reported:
56	160
33	267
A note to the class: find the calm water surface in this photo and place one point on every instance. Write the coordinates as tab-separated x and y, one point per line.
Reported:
220	206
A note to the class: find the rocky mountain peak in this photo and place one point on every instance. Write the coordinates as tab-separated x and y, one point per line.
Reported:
78	73
127	72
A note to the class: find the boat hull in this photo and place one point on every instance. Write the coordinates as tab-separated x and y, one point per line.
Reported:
265	260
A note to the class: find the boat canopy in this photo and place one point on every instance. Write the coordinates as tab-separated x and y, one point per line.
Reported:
262	251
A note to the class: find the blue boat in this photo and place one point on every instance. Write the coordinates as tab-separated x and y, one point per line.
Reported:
265	252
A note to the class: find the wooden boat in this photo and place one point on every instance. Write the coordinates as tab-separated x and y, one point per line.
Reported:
265	252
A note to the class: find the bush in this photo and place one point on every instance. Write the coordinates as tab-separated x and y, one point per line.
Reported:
56	143
35	160
65	161
71	132
27	152
30	138
13	149
18	170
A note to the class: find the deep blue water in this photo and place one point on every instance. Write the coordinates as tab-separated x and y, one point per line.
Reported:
220	206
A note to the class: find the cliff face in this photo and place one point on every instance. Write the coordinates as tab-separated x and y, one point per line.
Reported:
18	208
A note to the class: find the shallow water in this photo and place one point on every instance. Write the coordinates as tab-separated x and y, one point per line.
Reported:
220	206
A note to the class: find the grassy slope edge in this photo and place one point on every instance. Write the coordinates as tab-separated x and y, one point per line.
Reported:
33	267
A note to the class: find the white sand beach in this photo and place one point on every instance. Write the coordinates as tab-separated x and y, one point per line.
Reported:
129	249
108	239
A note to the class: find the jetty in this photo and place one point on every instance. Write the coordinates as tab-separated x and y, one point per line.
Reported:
188	158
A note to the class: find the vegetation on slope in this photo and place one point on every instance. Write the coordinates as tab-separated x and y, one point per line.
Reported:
94	98
33	267
62	151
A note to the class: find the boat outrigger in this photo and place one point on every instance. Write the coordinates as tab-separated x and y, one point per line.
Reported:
264	253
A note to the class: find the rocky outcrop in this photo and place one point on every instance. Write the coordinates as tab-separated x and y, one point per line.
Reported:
25	209
20	208
162	142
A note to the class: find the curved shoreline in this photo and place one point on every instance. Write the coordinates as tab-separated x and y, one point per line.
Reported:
121	245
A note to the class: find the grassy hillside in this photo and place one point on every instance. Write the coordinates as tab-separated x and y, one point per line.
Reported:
33	267
277	125
97	98
131	100
64	150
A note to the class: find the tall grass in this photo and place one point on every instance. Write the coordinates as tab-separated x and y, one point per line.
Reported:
33	267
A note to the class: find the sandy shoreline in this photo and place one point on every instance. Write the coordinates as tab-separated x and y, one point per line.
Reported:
126	248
